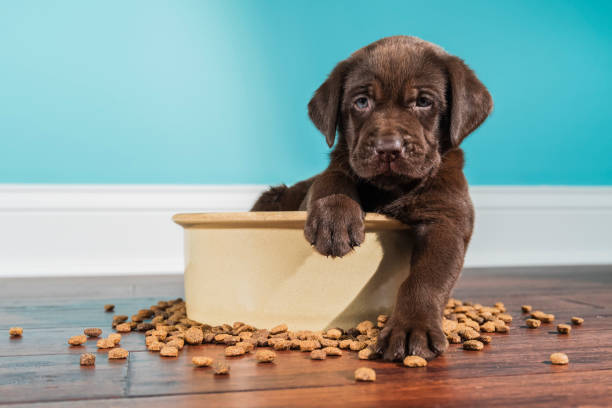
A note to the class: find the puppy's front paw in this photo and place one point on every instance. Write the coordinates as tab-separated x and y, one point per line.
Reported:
335	225
401	338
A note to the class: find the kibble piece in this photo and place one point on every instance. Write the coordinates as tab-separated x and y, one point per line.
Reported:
365	354
500	327
473	345
124	328
357	345
265	356
77	340
309	345
194	335
246	345
533	323
109	308
143	327
15	331
220	368
577	320
328	342
364	326
175	342
88	359
281	344
281	328
334	334
117	353
415	361
564	328
318	355
453	338
105	343
119	318
233	351
467	333
488	327
92	332
526	308
506	318
168	351
114	337
155	346
365	374
559	358
344	344
332	351
201	361
484	339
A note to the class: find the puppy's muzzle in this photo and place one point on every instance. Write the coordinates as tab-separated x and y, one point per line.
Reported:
388	148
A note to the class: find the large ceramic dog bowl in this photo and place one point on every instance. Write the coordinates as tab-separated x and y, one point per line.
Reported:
257	268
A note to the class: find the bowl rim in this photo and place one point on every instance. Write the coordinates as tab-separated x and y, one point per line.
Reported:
271	219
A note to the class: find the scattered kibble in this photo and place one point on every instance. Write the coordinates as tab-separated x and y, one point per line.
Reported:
473	345
526	308
533	323
194	335
265	356
92	332
281	328
221	368
484	339
564	328
415	361
124	328
109	308
105	344
366	354
334	334
88	359
318	355
168	351
77	340
117	353
202	361
332	351
233	351
15	331
365	374
115	338
577	320
559	358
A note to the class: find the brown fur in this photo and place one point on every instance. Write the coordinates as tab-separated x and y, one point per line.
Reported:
400	106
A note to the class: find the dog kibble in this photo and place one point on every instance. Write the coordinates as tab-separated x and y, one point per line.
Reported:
105	344
473	345
318	355
109	308
344	344
309	345
577	320
484	339
467	333
415	361
365	374
233	351
526	308
124	328
281	328
194	335
15	331
559	358
334	334
488	327
115	338
364	326
564	328
88	359
93	332
175	342
221	368
453	338
533	323
119	318
201	361
365	354
168	351
332	351
357	345
117	353
77	340
155	346
265	356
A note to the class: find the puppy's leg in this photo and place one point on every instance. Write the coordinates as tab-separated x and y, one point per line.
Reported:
283	198
335	218
415	325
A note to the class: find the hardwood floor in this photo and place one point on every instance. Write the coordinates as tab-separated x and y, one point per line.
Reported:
40	369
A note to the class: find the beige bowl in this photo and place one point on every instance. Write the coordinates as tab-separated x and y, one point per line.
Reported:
257	268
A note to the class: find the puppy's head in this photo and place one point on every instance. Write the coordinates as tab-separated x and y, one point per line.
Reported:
399	104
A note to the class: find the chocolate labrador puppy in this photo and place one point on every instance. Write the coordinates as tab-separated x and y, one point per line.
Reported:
400	106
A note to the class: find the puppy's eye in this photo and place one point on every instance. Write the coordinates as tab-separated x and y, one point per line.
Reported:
423	102
362	103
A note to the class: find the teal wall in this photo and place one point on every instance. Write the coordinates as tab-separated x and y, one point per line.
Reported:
125	91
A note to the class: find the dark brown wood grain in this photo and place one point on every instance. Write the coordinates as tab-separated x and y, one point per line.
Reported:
41	369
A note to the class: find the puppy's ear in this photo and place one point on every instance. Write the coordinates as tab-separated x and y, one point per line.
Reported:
324	107
470	102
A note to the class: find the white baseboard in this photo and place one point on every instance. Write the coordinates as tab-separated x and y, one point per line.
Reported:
48	230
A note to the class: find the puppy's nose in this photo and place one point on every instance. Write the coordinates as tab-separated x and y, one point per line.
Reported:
388	147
